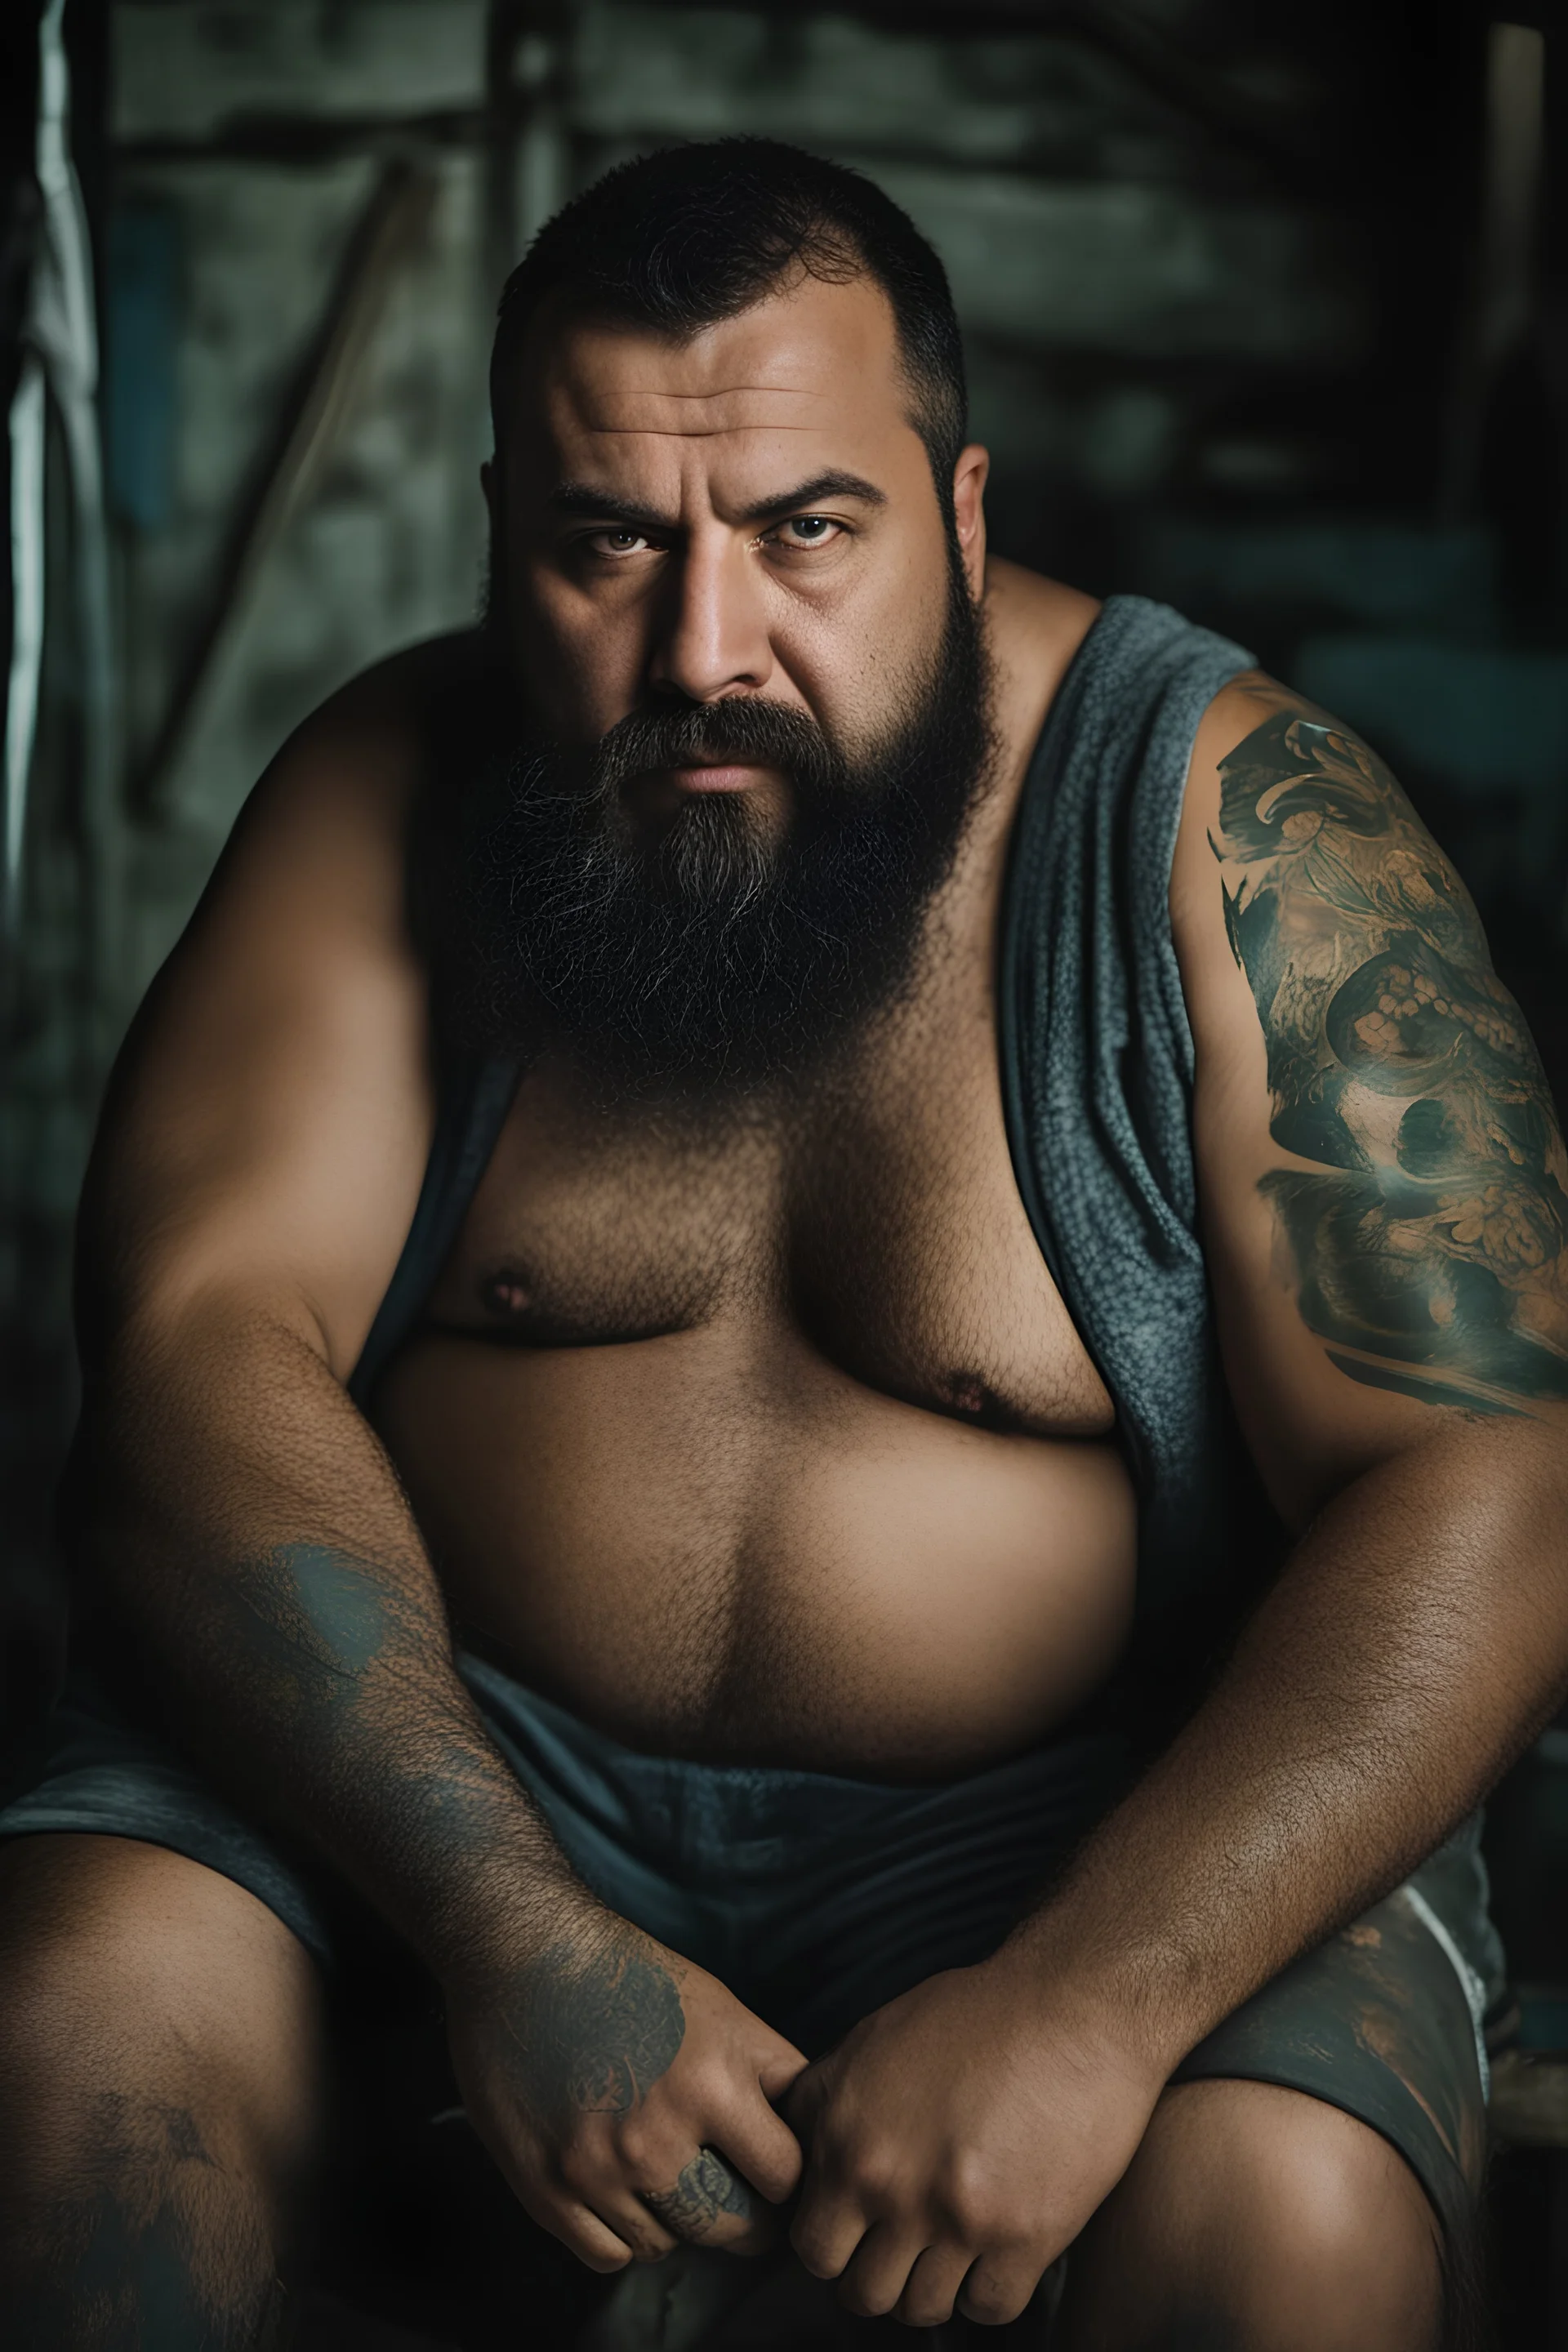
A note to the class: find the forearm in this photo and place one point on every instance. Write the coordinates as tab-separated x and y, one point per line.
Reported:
1415	1639
248	1528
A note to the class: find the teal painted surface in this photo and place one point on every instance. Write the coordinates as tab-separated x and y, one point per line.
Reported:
142	306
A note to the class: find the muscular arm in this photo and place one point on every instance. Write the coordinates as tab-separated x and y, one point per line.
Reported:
255	1175
1382	1180
254	1178
1383	1187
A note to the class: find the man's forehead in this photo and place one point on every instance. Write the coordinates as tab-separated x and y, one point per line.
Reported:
818	359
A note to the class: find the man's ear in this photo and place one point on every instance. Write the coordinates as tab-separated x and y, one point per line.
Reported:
969	476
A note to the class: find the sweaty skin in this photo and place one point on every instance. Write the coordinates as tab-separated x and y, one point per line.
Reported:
773	1441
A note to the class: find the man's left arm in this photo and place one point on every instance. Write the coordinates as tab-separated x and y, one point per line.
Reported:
1382	1181
1382	1184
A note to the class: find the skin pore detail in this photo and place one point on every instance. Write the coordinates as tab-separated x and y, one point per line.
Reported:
1425	1216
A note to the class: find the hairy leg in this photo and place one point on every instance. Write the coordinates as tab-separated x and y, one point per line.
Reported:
1258	2219
161	2086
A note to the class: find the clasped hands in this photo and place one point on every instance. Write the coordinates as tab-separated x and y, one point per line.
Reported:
941	2155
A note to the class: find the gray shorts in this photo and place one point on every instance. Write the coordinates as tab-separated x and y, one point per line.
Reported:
815	1898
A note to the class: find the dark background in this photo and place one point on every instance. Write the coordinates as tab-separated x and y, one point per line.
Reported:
1266	310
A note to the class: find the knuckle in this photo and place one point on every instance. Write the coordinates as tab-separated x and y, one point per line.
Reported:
707	2083
989	2299
967	2197
648	2243
930	2312
634	2146
596	2258
575	2173
871	2172
815	2255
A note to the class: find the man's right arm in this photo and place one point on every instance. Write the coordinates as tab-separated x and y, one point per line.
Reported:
254	1177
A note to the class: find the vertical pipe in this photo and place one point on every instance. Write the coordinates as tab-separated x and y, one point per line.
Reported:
25	425
1502	298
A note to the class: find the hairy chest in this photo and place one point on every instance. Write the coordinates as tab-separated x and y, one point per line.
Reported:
876	1219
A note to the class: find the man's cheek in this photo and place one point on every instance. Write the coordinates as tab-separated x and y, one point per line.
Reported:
580	670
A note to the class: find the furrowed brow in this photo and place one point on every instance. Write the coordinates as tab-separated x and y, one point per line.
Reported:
832	484
588	504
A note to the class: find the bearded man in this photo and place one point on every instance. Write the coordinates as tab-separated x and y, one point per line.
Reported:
825	1328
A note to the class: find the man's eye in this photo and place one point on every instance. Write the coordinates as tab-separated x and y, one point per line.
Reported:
809	531
618	542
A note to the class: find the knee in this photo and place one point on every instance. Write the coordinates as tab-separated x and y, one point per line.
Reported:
124	2228
146	2129
1259	2219
135	1985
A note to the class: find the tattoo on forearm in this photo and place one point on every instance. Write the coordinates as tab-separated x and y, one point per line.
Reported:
595	2035
353	1673
315	1619
706	2190
1428	1233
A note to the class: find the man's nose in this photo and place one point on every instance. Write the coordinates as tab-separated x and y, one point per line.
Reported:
712	637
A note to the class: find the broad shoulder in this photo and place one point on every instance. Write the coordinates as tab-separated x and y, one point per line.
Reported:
1035	626
269	1117
1384	1185
307	911
372	739
1271	771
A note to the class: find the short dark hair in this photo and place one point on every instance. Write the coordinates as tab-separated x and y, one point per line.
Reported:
682	239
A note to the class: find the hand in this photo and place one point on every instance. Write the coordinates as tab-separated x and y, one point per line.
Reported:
958	2139
625	2095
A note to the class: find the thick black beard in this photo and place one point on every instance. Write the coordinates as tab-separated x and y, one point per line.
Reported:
715	961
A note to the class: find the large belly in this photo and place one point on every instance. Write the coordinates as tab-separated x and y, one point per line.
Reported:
716	1552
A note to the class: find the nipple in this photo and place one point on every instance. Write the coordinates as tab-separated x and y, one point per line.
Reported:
505	1293
967	1393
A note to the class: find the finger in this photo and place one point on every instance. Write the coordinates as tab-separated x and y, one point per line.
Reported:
932	2286
826	2229
997	2288
581	2232
756	2140
711	2204
568	2218
627	2216
802	2103
781	2064
875	2276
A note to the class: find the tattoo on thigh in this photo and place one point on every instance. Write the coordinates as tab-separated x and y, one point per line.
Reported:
1428	1229
154	2244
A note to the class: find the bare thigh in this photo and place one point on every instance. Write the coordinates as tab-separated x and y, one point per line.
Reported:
1254	2219
162	2097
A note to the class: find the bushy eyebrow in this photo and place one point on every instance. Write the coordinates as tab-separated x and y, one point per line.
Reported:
591	504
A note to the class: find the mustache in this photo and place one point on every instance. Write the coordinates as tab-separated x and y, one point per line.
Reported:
749	729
